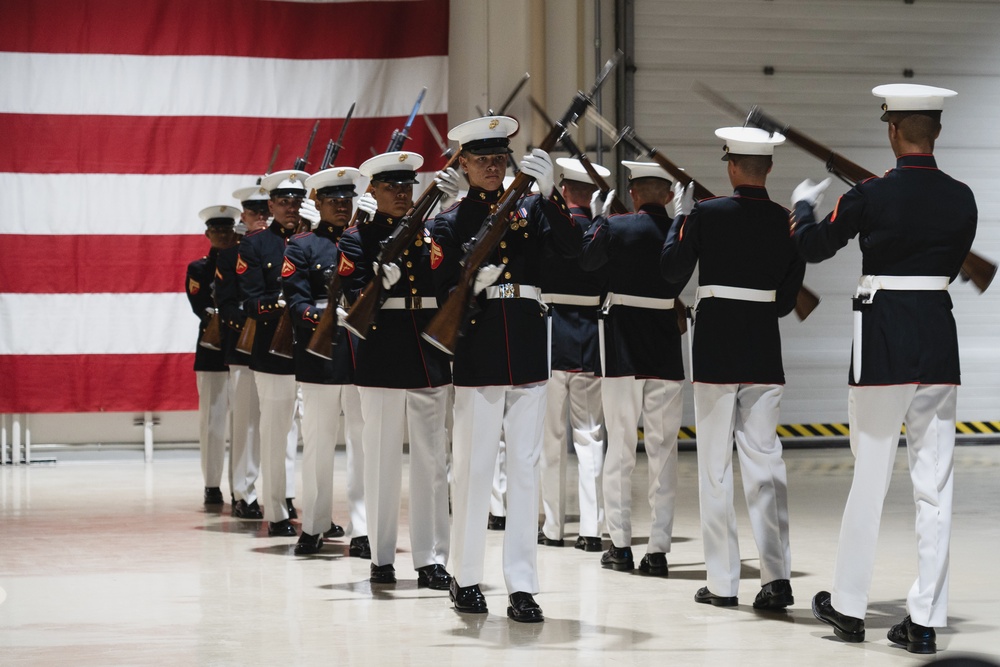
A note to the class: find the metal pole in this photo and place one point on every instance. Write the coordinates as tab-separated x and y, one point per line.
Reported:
598	63
147	436
15	439
3	440
27	438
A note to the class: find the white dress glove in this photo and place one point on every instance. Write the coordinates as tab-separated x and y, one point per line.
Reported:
449	183
598	207
809	192
308	211
341	316
538	165
367	204
390	274
683	198
281	302
486	276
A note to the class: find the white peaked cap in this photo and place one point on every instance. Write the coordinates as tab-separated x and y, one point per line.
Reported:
572	169
646	170
218	213
486	135
287	182
749	140
341	179
395	167
911	97
251	193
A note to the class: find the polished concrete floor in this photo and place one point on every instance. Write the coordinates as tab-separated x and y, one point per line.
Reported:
105	560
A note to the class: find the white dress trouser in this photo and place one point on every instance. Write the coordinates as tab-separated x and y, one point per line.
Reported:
748	413
481	414
384	411
498	493
213	419
293	445
320	426
350	405
277	395
574	398
659	402
244	452
875	415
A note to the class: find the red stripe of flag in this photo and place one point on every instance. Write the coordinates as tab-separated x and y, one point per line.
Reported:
97	383
62	144
228	28
85	264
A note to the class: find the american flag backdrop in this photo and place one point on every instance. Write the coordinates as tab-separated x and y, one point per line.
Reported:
121	119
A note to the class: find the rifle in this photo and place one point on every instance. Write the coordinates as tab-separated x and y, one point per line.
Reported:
333	147
283	342
211	337
245	342
975	268
362	314
443	330
300	163
805	301
270	165
323	338
617	207
400	136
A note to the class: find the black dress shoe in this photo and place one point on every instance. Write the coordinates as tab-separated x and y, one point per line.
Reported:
654	564
335	531
467	599
548	542
848	628
213	496
774	596
916	638
382	574
588	544
705	596
232	505
360	548
524	609
496	522
292	514
308	544
280	528
618	559
245	511
433	576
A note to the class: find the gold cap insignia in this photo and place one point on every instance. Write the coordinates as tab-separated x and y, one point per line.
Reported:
494	123
222	209
403	157
292	177
341	173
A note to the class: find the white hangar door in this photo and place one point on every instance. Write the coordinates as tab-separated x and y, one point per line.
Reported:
812	64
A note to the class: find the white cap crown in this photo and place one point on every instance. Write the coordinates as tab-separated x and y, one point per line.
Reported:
646	170
749	140
572	169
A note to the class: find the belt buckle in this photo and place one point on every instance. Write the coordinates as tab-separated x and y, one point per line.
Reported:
509	290
414	303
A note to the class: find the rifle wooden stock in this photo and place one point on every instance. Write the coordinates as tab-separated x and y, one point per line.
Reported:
805	302
245	342
325	336
360	318
975	268
211	337
979	270
283	342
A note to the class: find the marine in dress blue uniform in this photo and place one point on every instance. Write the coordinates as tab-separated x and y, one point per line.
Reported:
402	379
210	365
749	273
326	385
643	370
259	271
915	226
501	361
574	388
